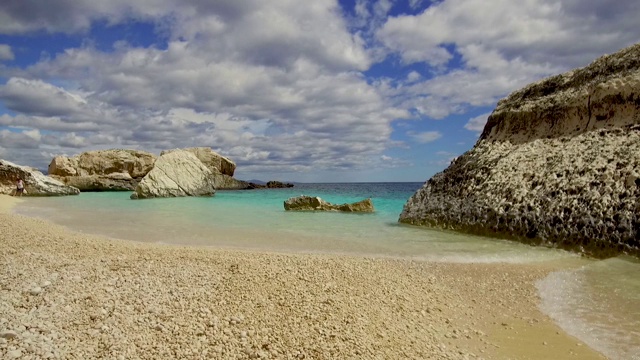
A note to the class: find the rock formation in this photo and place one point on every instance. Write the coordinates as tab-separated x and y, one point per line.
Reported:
176	173
221	167
36	183
311	203
226	182
103	170
210	159
270	185
557	164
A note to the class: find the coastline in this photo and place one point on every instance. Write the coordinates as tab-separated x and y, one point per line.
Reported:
74	295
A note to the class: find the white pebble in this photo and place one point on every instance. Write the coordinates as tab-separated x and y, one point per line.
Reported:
36	290
14	354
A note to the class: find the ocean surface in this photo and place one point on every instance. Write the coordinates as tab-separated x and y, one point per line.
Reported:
596	301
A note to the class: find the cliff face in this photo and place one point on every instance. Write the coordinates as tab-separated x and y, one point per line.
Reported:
558	164
603	95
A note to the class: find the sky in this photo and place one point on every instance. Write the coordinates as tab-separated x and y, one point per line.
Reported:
310	91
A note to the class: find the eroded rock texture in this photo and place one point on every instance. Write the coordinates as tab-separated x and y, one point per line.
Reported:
557	164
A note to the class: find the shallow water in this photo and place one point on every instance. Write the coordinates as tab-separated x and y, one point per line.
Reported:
256	219
598	302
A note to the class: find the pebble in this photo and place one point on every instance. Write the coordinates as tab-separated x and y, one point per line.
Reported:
8	334
14	354
35	291
197	321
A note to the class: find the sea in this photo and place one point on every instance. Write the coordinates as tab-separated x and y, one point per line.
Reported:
596	301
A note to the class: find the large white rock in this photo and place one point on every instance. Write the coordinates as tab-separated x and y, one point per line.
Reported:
36	183
210	159
176	173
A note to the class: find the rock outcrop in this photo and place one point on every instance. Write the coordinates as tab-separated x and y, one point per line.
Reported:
210	159
314	203
558	163
270	185
226	182
176	173
221	167
103	170
36	183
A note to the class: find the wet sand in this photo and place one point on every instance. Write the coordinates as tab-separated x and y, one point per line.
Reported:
69	295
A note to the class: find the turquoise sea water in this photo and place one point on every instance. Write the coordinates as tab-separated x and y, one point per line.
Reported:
580	299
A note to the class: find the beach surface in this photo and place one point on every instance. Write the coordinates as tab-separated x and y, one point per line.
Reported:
69	295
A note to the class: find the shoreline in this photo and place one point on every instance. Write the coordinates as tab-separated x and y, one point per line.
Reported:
75	295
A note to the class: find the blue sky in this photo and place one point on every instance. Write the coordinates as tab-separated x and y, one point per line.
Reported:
290	90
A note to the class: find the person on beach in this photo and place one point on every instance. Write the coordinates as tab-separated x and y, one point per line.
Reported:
19	187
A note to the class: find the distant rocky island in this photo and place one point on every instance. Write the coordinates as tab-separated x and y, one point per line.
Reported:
196	171
558	164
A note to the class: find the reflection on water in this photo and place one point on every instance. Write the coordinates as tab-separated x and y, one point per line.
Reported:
598	303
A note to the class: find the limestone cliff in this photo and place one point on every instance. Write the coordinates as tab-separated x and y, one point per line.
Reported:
103	170
557	164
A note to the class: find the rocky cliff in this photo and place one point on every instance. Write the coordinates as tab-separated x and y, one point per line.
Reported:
557	164
103	170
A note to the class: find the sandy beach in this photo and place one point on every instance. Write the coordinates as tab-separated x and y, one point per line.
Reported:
67	295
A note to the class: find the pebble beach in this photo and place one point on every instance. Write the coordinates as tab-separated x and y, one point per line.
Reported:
69	295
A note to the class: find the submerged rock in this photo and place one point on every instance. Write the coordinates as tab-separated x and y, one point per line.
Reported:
558	163
177	173
311	203
36	183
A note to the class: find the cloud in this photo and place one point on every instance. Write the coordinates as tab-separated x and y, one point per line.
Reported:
36	97
534	39
273	84
283	85
425	137
26	139
537	31
477	123
5	52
